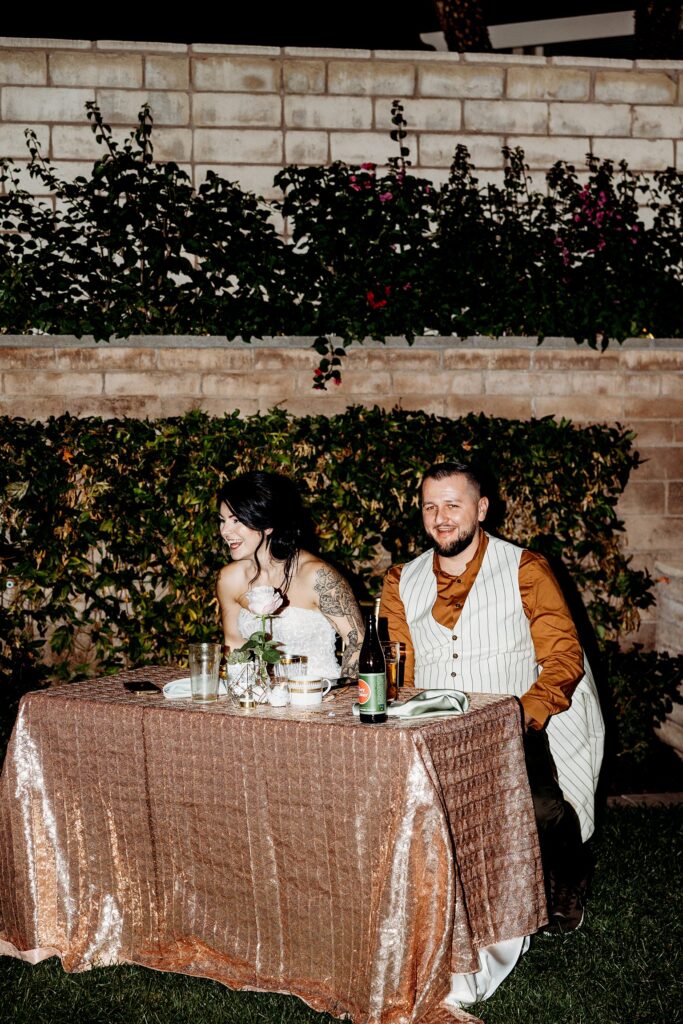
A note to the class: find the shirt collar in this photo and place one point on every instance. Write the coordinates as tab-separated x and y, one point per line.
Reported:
472	567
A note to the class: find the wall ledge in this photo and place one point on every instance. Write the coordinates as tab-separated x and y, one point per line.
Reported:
424	343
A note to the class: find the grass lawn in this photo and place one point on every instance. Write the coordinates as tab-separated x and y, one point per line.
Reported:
623	967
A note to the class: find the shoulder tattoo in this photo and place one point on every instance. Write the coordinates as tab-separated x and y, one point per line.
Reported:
336	597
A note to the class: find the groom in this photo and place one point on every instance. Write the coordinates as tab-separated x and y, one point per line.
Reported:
477	613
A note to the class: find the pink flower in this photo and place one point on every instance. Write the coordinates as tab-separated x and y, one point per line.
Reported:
384	197
264	600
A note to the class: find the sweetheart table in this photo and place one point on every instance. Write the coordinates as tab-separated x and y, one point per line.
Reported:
278	850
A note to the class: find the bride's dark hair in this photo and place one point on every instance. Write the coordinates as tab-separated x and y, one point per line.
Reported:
264	501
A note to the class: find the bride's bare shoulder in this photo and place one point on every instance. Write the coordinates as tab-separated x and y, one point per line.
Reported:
232	580
308	565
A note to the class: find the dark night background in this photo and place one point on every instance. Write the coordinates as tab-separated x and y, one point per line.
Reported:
372	24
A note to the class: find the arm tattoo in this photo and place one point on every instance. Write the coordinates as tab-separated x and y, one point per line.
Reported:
337	602
351	652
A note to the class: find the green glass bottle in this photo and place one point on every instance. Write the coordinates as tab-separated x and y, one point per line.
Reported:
372	677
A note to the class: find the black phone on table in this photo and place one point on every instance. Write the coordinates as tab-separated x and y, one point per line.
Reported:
141	686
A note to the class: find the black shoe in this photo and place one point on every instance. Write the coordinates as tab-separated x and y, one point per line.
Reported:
561	925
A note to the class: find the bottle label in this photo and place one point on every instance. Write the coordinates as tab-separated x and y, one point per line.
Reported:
372	693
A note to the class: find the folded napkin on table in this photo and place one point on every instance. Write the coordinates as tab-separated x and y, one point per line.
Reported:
435	703
181	689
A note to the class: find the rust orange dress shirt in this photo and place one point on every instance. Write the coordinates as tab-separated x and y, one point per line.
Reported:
553	632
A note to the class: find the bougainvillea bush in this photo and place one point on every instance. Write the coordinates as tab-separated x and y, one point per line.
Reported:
370	252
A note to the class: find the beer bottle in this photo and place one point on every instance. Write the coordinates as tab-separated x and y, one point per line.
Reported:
372	679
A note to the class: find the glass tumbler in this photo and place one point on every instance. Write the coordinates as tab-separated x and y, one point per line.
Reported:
392	659
279	687
205	663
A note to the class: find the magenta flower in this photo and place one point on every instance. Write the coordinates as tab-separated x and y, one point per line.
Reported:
384	197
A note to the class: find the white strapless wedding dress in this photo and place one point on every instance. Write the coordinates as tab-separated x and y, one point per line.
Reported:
299	631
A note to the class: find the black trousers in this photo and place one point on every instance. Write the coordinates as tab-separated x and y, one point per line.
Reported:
566	859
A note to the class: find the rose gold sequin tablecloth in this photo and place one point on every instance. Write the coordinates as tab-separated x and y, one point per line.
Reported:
353	866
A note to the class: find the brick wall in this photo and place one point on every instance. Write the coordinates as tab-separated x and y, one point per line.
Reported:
639	384
246	111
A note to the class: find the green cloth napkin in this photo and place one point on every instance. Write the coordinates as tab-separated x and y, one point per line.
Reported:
434	703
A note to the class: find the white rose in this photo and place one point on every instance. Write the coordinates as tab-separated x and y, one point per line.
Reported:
264	600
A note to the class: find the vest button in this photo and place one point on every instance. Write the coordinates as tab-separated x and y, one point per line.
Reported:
457	604
458	581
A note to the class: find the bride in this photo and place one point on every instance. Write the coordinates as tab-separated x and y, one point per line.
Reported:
264	525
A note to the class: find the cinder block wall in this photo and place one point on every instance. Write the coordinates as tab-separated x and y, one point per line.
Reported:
246	111
639	384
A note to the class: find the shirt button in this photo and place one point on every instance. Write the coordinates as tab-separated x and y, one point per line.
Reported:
454	637
455	655
454	674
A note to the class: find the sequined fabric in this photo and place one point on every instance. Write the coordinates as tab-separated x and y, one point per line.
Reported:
278	850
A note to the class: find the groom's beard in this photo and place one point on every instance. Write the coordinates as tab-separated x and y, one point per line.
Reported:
454	547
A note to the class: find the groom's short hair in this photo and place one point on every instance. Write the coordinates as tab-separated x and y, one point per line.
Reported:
441	470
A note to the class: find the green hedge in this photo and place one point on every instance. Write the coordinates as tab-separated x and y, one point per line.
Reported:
109	528
643	687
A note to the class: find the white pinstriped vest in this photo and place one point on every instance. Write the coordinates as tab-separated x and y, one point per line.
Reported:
490	650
